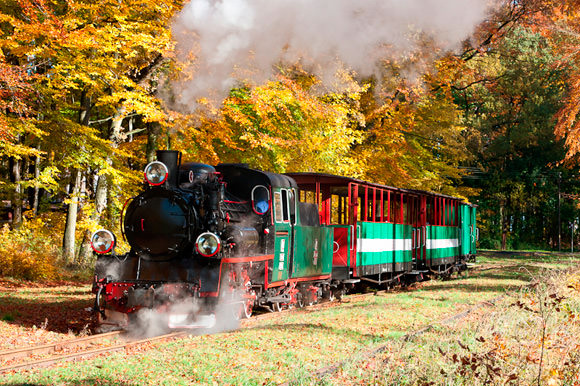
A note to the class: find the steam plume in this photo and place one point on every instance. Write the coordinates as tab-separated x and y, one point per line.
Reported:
235	40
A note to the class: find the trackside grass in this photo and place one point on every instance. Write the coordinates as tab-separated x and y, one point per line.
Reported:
292	347
531	337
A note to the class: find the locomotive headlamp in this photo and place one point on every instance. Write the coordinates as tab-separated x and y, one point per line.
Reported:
102	241
156	173
208	244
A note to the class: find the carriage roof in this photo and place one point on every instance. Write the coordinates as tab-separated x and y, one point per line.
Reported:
309	178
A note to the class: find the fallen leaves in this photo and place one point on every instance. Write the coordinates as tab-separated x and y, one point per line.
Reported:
34	313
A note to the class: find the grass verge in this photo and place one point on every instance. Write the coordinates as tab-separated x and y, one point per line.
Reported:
293	347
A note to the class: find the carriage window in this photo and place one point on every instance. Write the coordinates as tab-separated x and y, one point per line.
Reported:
285	206
277	207
260	199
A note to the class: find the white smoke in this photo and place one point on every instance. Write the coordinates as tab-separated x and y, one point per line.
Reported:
188	315
242	40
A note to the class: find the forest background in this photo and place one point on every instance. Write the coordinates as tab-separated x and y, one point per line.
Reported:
87	97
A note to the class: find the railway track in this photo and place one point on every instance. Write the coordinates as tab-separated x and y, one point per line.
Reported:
82	348
19	353
85	344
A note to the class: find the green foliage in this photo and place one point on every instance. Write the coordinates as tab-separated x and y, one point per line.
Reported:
515	91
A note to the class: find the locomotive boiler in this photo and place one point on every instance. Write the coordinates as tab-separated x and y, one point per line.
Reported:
229	237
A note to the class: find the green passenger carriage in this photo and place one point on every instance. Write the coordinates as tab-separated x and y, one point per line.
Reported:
384	234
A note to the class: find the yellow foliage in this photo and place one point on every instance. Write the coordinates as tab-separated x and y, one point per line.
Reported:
30	251
280	126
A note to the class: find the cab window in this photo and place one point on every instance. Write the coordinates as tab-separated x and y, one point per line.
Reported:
292	206
277	207
260	199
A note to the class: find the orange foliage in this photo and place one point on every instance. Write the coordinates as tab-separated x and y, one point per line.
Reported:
15	91
559	21
29	252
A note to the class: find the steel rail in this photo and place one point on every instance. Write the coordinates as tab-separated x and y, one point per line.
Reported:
18	353
89	353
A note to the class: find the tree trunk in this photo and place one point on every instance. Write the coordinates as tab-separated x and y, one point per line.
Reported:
115	130
152	138
17	201
100	205
36	185
68	246
503	225
73	208
101	191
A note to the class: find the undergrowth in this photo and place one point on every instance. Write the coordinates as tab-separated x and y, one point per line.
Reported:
531	337
30	251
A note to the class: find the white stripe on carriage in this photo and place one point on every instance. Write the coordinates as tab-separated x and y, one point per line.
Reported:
384	245
442	243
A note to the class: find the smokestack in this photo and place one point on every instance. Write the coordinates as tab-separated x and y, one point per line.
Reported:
171	159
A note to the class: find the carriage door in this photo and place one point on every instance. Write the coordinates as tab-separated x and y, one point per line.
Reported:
418	216
283	214
422	230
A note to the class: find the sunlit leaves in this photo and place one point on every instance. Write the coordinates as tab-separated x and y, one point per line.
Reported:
414	136
282	126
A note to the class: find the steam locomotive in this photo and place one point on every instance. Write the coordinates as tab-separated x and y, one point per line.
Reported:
202	237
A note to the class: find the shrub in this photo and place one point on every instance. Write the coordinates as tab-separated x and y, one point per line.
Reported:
30	251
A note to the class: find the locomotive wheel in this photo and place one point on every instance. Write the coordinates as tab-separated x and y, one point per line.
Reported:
300	300
329	295
276	307
246	309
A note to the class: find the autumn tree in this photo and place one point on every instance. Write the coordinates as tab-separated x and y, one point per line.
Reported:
17	127
279	126
511	95
97	67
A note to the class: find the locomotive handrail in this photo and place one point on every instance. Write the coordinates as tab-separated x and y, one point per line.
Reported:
123	215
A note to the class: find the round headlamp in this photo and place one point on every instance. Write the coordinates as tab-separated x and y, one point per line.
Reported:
208	244
102	241
156	173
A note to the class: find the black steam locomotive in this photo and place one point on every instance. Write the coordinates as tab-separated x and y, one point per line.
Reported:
203	237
